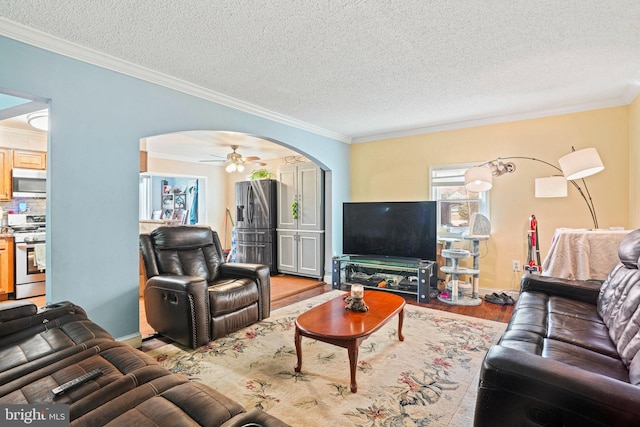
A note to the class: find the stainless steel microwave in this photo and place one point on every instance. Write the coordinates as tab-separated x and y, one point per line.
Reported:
29	183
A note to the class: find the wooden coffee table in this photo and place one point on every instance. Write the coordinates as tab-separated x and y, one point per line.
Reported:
332	323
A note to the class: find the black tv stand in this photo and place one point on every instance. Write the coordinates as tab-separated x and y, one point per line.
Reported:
399	275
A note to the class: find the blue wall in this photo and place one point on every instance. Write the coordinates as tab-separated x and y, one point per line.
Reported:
97	119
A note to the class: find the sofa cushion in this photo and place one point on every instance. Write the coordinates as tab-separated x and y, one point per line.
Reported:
163	400
190	402
46	343
228	295
629	250
619	300
529	342
586	359
590	335
574	308
58	344
113	358
634	370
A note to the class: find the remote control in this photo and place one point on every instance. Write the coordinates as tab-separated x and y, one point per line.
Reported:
77	381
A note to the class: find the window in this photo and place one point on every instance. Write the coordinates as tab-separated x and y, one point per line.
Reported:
144	197
456	205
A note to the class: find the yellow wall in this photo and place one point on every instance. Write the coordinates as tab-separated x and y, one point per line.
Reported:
634	163
398	169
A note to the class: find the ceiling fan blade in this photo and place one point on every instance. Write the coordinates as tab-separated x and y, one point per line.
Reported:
211	161
251	158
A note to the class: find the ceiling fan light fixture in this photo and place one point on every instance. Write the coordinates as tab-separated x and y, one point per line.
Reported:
231	167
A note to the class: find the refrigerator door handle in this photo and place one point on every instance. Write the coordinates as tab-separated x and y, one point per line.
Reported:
250	203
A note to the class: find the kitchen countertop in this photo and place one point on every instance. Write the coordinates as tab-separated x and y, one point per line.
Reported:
148	225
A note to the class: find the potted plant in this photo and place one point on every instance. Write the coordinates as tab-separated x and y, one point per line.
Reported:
260	174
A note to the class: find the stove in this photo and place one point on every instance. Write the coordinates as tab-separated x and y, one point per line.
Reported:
29	233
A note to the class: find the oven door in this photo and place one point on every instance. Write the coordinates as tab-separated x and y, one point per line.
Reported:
27	270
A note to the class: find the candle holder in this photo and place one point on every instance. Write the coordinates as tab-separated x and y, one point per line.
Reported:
355	301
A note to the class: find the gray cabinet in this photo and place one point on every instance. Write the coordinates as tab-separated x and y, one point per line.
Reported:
300	228
300	197
301	252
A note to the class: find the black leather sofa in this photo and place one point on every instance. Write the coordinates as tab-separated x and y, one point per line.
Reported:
570	355
42	348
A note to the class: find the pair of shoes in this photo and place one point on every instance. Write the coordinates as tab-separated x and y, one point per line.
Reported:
502	299
507	299
494	299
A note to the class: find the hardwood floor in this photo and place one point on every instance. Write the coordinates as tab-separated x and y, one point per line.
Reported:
292	289
488	311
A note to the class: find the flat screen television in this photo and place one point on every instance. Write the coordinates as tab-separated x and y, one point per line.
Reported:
390	229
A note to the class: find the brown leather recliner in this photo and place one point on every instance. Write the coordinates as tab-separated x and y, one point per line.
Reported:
192	295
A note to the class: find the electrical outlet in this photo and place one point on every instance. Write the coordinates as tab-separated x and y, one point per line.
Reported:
515	265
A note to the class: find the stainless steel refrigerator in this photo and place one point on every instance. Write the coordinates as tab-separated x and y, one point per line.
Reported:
256	221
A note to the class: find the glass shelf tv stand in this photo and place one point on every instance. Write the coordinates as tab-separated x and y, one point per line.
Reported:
398	275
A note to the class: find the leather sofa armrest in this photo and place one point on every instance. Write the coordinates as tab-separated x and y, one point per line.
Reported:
178	308
12	310
239	269
259	273
255	417
517	388
177	283
582	290
20	315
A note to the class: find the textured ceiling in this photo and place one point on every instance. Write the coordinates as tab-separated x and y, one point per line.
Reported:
367	69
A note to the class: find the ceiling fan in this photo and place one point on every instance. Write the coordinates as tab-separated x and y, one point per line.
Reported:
235	161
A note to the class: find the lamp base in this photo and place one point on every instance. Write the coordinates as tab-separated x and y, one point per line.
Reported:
355	304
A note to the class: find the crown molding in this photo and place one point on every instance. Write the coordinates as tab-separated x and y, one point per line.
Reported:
25	34
492	120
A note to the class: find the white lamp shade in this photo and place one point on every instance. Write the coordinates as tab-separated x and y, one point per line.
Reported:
231	167
553	186
478	179
581	163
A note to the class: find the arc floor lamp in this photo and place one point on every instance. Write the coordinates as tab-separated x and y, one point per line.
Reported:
576	165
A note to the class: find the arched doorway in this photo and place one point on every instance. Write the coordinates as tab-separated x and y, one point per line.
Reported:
205	156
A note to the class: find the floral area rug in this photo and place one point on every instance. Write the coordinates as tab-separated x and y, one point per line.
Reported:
429	379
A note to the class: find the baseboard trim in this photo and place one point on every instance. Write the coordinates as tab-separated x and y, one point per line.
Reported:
134	340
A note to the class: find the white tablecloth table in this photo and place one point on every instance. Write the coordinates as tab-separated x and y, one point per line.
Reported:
582	254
